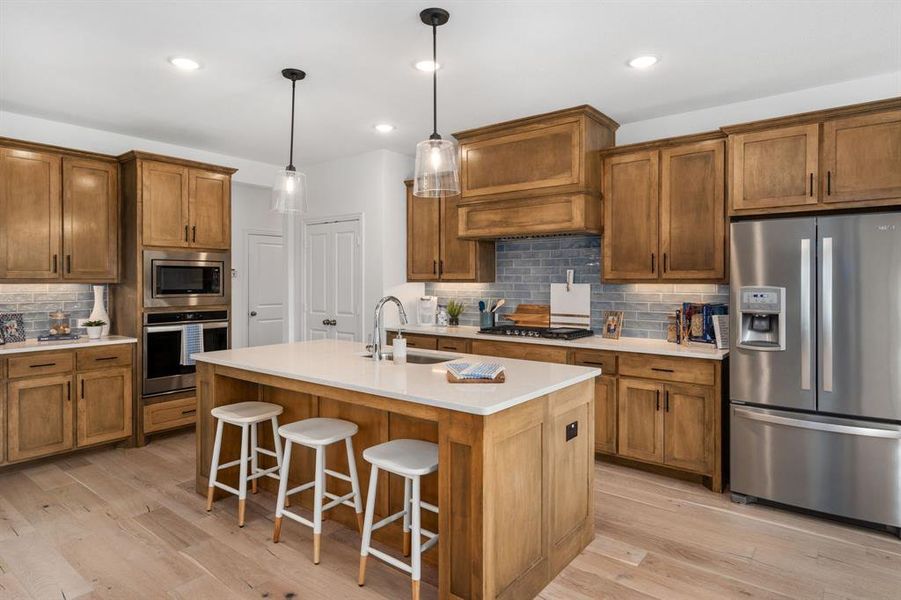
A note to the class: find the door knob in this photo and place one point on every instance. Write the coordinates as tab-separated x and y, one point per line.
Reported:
253	313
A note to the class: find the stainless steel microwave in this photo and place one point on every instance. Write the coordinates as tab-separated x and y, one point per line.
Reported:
185	278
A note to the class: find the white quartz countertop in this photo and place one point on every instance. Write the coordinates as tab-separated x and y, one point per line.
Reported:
595	342
82	342
340	364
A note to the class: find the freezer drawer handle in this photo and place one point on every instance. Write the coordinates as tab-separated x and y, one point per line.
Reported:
817	425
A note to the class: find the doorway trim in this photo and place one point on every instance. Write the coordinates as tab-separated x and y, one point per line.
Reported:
304	287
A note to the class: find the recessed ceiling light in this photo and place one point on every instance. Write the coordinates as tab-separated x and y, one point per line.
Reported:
427	66
185	64
643	62
385	128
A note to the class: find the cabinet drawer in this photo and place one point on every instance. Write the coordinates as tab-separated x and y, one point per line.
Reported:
40	363
423	342
521	351
167	415
606	361
104	356
452	344
684	370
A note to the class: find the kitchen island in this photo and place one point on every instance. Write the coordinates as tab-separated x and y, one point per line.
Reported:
514	484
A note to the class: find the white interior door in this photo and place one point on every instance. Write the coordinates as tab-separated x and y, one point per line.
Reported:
267	298
334	281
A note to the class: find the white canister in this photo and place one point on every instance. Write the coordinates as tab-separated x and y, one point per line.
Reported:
399	349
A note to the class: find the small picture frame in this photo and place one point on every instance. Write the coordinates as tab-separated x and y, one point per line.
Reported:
613	324
12	327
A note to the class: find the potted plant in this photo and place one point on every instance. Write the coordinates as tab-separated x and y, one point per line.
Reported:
94	329
454	310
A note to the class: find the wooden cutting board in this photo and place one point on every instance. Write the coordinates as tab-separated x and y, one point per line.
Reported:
451	378
531	315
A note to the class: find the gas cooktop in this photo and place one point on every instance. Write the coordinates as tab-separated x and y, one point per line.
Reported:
557	333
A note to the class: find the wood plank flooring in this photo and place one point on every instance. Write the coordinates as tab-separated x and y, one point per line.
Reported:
126	523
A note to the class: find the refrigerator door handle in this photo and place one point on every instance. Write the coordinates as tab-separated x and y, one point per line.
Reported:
805	314
827	314
756	415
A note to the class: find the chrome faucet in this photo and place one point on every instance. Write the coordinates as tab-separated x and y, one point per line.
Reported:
376	346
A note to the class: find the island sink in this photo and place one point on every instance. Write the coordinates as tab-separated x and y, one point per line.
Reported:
417	358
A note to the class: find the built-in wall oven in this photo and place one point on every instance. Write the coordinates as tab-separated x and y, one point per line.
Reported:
163	368
185	278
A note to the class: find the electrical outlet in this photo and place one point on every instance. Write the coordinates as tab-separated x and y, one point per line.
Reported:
572	430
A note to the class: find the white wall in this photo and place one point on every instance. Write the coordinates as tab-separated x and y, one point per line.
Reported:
708	119
34	129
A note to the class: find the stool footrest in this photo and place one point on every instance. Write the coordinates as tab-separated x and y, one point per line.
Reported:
336	500
227	488
296	517
302	487
428	544
391	560
267	452
427	533
387	520
428	507
340	476
233	463
265	472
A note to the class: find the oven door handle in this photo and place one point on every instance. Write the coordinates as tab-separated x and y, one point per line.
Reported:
164	328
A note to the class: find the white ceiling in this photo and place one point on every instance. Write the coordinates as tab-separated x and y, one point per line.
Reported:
103	64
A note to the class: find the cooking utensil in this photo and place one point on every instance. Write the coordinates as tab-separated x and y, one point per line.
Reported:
498	304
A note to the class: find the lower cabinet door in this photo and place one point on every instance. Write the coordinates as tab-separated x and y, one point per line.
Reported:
688	411
605	414
104	406
39	420
640	422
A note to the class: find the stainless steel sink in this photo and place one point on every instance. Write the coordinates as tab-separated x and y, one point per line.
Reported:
418	359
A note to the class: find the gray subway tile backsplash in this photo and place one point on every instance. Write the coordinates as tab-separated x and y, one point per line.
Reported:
527	266
37	300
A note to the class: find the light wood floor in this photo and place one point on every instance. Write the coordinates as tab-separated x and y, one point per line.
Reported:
127	524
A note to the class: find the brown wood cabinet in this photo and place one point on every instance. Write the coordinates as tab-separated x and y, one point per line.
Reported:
536	175
40	417
184	207
102	413
170	414
30	214
90	220
841	158
688	421
520	350
435	252
605	414
664	211
640	419
59	214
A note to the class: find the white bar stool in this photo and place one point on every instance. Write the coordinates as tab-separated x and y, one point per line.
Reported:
318	433
411	459
246	415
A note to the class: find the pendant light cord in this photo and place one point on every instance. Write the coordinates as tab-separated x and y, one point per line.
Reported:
291	150
434	135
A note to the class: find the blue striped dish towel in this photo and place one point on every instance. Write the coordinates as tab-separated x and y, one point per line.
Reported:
191	342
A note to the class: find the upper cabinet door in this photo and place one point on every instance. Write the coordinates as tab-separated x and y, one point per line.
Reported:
692	225
775	168
630	216
210	207
30	206
165	204
90	220
862	158
458	257
423	237
531	157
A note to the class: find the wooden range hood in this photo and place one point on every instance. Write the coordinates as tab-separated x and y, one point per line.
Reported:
538	175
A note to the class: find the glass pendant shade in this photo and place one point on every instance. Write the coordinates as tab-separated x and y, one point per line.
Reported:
289	194
436	173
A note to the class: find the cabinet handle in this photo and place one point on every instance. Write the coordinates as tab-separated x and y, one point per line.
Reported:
82	389
666	401
186	233
105	358
434	267
189	412
41	365
653	263
68	391
828	183
589	362
54	263
68	263
193	233
440	267
662	370
811	185
664	262
658	400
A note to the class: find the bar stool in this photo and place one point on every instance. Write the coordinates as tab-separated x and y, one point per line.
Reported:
411	459
318	433
246	415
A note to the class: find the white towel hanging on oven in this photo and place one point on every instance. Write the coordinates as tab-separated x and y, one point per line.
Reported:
191	342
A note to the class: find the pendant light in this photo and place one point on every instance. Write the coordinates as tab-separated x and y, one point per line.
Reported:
289	194
436	172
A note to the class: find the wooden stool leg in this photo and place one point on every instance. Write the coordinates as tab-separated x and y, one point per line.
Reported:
367	523
254	459
354	483
407	516
242	477
317	501
416	558
282	491
214	467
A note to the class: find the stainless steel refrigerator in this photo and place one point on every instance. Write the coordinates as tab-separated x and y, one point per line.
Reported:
815	364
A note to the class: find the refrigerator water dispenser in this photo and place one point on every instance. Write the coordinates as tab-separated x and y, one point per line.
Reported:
762	315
